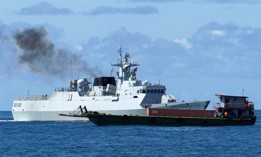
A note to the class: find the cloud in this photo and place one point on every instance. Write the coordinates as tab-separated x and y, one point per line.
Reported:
202	1
77	47
184	42
234	55
205	54
101	10
214	50
44	8
218	33
228	1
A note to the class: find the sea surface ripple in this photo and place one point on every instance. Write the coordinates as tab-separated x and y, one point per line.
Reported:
86	139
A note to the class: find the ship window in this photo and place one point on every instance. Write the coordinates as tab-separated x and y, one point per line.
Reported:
162	91
148	91
235	99
138	91
226	100
143	91
135	96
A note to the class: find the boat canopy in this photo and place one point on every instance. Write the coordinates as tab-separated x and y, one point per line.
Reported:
231	96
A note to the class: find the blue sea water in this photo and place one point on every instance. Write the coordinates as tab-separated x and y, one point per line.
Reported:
86	139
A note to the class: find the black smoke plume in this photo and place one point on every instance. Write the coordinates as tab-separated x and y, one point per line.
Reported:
40	55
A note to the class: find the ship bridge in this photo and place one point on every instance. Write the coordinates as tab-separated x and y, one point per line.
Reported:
103	86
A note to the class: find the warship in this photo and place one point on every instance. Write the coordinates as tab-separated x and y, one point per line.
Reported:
124	96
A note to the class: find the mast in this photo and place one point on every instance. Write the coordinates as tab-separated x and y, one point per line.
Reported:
120	74
124	66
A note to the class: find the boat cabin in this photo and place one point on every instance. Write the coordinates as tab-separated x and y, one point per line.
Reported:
234	106
232	101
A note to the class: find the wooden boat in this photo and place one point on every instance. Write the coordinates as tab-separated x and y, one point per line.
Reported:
103	119
231	110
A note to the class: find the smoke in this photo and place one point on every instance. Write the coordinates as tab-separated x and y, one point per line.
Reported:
40	55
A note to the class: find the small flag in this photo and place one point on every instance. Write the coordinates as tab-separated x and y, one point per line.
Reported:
136	69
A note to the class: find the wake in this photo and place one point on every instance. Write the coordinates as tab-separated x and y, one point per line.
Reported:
7	120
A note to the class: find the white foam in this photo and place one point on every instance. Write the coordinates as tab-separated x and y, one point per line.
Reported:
2	120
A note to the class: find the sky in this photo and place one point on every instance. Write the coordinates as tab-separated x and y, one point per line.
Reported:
197	48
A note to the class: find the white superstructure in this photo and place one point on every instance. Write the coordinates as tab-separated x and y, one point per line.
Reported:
126	96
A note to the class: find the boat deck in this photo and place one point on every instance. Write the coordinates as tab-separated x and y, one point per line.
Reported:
102	119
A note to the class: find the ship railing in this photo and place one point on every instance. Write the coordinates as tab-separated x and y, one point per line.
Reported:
64	89
32	98
233	105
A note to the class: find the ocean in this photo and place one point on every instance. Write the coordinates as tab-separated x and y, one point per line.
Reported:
86	139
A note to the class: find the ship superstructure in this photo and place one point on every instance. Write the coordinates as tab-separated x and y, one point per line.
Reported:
234	106
127	95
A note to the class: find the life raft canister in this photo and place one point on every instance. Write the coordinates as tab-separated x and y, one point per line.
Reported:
226	114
